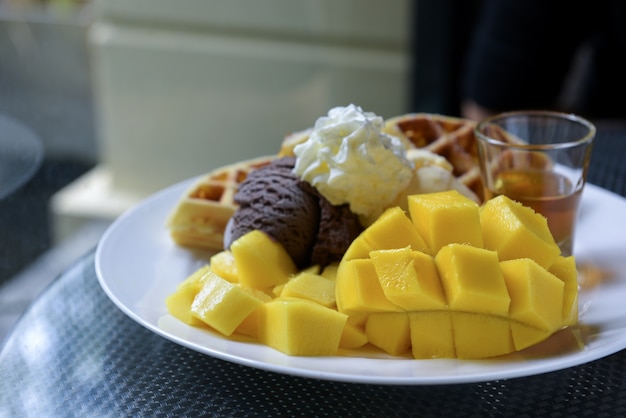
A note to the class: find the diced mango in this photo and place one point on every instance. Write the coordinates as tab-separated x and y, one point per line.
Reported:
472	279
409	279
353	336
223	305
223	264
480	336
311	286
389	331
565	269
330	271
179	303
261	262
357	288
525	335
250	325
536	294
431	335
517	231
299	327
447	217
393	229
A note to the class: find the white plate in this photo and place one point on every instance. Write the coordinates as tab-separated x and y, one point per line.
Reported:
138	266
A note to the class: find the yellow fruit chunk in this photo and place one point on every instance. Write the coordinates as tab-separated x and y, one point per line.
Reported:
223	305
353	336
536	294
261	262
299	327
481	335
393	229
179	303
223	264
517	231
389	332
409	279
330	271
447	217
565	269
312	287
431	335
472	279
250	325
357	288
525	336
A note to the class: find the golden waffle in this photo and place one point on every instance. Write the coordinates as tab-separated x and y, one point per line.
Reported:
200	218
452	138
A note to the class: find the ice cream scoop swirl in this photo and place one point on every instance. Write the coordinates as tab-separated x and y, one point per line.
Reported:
348	159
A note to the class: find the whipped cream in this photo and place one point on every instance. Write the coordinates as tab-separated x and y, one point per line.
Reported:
349	160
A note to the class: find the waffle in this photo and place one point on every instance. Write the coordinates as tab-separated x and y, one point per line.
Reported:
200	218
452	138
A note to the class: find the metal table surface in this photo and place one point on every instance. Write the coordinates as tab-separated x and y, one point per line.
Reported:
74	353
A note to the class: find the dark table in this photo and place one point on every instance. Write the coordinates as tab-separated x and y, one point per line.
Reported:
74	353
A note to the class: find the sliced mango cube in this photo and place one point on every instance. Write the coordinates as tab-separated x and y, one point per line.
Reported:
311	286
444	218
223	305
299	327
525	335
357	288
353	336
223	264
261	262
393	229
517	231
480	336
179	303
565	269
472	279
250	325
389	331
431	335
536	294
409	279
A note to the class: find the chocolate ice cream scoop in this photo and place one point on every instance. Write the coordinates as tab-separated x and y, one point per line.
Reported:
274	200
271	200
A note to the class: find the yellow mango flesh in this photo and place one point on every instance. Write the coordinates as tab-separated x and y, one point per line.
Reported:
389	332
479	336
517	231
357	288
250	325
565	269
409	279
312	287
223	264
223	305
538	294
179	303
446	217
261	262
472	279
431	334
353	336
393	229
300	327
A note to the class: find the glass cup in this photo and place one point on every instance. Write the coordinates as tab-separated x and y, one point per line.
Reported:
540	159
